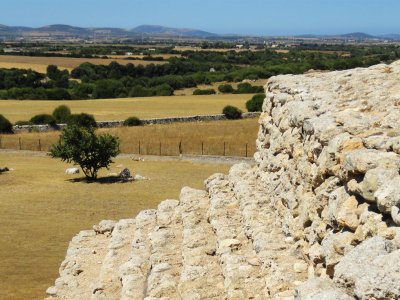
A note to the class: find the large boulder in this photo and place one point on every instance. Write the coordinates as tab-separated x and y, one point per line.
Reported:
371	270
320	289
388	195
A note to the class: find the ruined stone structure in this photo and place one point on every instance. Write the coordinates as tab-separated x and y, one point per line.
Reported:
317	217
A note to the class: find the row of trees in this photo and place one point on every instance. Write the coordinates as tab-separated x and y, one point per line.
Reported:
89	81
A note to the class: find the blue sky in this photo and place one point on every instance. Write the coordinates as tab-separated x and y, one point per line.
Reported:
261	17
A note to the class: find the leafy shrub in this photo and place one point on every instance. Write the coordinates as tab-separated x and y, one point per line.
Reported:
232	112
133	121
108	88
82	90
225	88
43	119
22	123
62	114
57	94
255	103
82	120
140	91
204	92
83	147
5	125
164	90
247	88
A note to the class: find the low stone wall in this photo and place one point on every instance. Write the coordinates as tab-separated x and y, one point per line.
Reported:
113	124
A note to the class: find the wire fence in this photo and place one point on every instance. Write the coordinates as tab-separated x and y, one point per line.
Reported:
161	148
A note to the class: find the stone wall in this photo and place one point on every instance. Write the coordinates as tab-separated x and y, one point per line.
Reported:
113	124
316	218
328	156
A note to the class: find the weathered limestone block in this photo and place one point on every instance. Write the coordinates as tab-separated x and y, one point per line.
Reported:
360	161
373	180
371	270
334	246
320	289
388	195
324	127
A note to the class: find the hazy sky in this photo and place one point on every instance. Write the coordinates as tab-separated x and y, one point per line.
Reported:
262	17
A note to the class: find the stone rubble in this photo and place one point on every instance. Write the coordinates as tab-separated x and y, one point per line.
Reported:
317	217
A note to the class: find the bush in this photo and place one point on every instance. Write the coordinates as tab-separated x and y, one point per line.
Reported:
232	112
140	91
225	88
247	88
82	120
22	123
43	119
133	121
57	94
5	125
204	92
164	90
83	147
108	88
62	114
255	103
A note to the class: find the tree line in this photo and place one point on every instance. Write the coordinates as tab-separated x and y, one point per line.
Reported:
89	81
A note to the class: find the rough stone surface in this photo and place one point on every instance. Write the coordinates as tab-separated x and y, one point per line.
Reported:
317	217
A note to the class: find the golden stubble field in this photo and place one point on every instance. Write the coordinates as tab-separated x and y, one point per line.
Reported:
41	209
40	64
196	138
120	109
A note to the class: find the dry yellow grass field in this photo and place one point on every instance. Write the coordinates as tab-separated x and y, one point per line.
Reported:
120	109
41	210
198	138
40	63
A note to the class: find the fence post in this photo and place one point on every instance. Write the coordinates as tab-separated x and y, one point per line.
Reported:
139	147
40	146
224	148
1	146
19	141
160	148
246	149
180	147
202	148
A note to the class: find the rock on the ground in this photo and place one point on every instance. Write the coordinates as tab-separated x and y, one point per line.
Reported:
71	171
125	174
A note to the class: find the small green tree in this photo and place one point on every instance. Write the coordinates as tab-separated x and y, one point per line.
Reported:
225	88
255	103
232	112
82	120
198	92
133	121
62	114
81	146
43	119
5	125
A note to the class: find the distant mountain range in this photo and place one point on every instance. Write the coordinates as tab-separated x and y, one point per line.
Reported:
354	36
67	31
161	30
59	30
